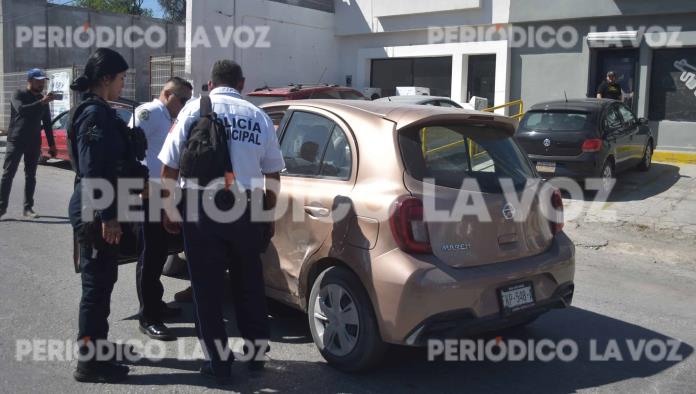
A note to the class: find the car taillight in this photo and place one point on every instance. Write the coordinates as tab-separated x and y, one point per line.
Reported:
593	145
557	204
408	228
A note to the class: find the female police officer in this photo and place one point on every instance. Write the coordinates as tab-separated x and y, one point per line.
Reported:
100	149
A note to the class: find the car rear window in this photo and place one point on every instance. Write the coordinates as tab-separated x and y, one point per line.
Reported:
450	154
555	121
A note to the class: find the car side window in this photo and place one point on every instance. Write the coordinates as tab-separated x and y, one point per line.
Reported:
628	117
433	103
277	117
351	95
327	94
60	122
612	119
337	162
447	104
304	142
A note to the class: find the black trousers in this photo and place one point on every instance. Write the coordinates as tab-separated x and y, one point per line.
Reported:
211	248
15	151
152	255
99	274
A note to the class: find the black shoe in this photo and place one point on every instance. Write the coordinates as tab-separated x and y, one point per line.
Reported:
30	214
100	372
207	371
157	331
168	312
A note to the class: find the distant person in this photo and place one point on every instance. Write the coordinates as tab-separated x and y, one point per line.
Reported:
609	88
29	112
156	119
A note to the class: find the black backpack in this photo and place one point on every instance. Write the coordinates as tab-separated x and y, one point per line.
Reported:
205	156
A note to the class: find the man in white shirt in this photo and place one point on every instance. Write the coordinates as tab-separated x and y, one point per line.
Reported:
156	119
209	243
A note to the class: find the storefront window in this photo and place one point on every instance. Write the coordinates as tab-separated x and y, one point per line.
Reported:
429	72
673	85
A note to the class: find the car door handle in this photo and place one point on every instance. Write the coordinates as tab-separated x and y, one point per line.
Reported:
316	211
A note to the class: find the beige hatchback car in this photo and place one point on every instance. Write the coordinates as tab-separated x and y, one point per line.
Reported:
364	257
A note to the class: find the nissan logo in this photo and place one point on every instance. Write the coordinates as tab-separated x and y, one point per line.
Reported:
509	211
547	142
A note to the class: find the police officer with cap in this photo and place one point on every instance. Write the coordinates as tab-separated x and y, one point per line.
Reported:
156	119
210	242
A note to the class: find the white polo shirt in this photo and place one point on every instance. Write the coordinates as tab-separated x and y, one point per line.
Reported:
253	142
155	120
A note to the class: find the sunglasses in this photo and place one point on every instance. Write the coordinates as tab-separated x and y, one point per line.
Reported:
182	99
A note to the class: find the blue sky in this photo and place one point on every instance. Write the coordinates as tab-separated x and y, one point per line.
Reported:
154	6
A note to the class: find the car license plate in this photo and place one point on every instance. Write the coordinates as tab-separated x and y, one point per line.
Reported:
546	166
516	297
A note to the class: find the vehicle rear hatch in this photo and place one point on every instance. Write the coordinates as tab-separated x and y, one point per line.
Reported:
555	132
455	166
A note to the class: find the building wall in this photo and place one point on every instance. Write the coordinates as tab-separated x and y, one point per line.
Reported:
303	48
39	13
554	10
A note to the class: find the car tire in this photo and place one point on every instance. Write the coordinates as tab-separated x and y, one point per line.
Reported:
355	343
608	176
646	162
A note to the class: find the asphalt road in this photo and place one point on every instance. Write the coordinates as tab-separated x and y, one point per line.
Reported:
633	282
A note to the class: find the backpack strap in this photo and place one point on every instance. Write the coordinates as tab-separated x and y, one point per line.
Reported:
206	106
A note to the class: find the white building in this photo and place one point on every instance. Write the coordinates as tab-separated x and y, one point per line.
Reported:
462	48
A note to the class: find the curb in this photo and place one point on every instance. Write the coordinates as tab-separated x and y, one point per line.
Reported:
675	157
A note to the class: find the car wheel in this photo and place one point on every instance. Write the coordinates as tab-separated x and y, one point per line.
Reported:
342	321
647	158
607	176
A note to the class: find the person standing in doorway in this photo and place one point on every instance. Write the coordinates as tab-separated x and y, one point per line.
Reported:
609	88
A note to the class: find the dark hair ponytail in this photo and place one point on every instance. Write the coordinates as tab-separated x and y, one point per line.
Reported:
103	62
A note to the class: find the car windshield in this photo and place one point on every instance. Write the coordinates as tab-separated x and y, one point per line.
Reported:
555	121
448	155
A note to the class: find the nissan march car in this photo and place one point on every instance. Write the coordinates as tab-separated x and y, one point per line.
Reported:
369	262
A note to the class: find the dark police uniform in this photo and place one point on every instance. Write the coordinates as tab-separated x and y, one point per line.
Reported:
28	114
212	246
100	150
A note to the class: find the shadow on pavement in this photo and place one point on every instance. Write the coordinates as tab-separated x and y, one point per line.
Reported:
41	220
407	369
634	185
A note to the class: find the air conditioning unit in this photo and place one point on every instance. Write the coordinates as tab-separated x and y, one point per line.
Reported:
372	93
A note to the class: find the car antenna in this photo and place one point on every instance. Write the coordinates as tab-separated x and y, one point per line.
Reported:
566	95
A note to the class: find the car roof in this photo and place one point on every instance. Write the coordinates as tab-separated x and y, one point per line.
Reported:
296	89
403	115
415	99
582	105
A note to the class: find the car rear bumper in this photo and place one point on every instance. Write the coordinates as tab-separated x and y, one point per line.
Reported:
585	165
419	297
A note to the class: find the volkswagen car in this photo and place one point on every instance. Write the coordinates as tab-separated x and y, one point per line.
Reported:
586	138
